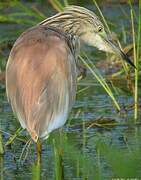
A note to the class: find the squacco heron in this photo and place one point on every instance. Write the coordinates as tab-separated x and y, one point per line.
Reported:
42	68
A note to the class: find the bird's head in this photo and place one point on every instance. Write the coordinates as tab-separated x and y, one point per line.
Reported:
87	26
91	30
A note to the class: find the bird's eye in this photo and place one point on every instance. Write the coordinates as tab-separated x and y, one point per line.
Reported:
100	29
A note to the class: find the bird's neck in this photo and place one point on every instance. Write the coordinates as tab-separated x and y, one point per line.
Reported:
67	24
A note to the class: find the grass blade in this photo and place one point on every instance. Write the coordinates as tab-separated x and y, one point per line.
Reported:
1	145
136	64
100	79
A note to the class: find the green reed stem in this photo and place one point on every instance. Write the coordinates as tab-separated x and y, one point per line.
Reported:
36	171
59	172
66	2
2	169
100	79
138	50
139	32
12	137
1	145
133	10
57	5
136	64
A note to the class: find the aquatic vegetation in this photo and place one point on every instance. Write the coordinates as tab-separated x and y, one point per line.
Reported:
97	142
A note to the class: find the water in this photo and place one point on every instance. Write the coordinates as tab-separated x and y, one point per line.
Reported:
76	142
78	150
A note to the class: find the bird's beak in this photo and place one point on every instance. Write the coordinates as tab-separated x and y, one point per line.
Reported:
117	51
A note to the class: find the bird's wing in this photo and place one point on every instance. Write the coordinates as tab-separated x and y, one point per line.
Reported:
40	72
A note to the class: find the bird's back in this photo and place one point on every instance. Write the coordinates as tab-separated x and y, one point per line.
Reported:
41	79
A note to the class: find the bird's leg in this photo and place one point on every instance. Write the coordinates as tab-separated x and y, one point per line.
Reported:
82	71
39	151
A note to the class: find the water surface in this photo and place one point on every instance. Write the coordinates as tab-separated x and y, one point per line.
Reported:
78	150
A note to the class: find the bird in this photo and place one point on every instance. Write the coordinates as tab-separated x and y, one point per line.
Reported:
42	68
